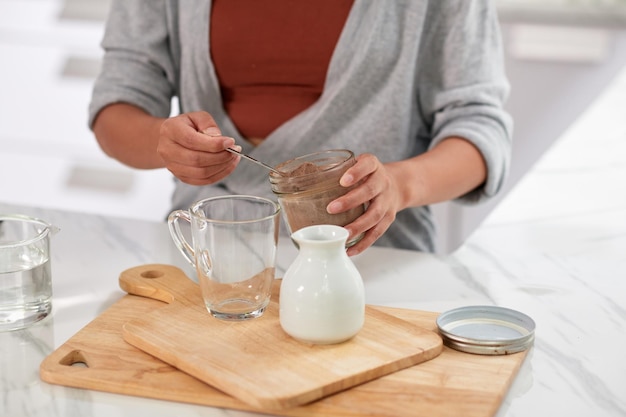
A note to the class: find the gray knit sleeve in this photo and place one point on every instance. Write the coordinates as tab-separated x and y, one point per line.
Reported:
463	85
137	66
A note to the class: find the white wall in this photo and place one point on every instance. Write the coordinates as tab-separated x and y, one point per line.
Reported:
555	71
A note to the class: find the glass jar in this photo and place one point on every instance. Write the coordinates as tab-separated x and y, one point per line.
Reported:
310	183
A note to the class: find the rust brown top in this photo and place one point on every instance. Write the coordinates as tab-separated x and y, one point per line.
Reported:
271	57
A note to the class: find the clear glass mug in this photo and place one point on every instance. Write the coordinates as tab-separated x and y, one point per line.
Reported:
233	250
25	273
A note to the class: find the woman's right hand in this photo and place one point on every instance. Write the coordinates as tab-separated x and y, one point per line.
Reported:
192	148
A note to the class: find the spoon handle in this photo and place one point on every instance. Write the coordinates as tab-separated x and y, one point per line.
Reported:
249	158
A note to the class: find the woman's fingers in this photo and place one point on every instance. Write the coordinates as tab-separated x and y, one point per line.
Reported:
375	187
196	157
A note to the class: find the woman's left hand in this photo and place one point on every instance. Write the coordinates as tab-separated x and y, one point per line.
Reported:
453	167
378	189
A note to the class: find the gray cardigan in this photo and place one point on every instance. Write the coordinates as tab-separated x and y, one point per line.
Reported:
404	75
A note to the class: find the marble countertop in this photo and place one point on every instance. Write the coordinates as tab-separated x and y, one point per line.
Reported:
555	249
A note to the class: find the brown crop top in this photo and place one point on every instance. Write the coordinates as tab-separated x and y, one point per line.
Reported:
271	57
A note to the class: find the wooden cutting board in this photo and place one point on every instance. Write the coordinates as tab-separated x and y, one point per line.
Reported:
452	384
255	360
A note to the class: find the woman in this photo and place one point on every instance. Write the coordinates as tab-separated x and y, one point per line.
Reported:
414	88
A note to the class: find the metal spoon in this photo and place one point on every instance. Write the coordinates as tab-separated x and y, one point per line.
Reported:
249	158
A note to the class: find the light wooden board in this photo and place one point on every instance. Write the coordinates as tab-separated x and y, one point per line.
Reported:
255	360
452	384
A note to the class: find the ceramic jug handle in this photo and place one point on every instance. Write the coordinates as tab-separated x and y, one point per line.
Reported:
177	236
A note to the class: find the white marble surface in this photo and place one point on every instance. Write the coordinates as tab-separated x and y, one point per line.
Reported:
555	249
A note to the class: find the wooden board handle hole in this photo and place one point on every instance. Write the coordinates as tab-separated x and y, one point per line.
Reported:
151	274
75	358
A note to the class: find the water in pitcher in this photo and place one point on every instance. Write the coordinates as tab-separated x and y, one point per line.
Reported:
25	292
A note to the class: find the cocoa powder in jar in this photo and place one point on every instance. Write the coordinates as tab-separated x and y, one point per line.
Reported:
304	169
310	184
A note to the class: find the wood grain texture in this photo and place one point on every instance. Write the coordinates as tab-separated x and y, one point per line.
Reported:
255	360
452	384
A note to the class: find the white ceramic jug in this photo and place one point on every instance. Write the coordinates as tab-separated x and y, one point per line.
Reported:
322	300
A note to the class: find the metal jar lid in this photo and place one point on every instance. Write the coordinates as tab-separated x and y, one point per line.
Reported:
486	330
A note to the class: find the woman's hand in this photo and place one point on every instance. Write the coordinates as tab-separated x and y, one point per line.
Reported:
193	149
379	189
191	145
450	169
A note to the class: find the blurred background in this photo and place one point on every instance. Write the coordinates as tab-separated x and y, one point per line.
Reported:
561	55
48	156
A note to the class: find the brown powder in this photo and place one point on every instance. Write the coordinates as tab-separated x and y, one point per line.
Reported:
305	191
302	213
304	169
310	208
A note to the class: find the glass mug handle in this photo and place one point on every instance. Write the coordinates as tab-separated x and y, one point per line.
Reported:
177	236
